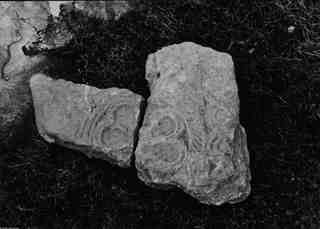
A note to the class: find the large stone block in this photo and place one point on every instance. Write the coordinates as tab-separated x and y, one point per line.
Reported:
191	136
99	122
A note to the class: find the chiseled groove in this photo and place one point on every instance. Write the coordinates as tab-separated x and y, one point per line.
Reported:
79	133
90	123
196	143
99	116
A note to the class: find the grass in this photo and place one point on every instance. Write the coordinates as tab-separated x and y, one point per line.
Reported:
278	74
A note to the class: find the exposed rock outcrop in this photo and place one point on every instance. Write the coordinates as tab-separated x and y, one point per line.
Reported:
19	23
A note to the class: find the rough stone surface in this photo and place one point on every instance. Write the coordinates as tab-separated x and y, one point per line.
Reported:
19	23
58	34
99	122
191	136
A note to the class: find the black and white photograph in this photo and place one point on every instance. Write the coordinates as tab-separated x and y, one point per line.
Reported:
160	114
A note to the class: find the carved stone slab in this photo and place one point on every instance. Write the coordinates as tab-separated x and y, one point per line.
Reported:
99	122
191	136
19	23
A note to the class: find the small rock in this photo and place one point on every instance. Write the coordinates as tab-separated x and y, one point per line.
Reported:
191	136
99	122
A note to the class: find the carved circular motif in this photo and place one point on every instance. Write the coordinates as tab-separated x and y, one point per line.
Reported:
224	145
167	124
103	120
113	137
218	144
217	116
164	155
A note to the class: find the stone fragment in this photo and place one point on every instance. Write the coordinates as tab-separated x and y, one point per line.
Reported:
99	122
19	23
191	136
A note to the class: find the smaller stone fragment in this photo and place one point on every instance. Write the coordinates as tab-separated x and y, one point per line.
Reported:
99	122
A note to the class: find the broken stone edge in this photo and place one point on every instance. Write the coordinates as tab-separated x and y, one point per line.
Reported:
214	199
91	152
230	198
244	173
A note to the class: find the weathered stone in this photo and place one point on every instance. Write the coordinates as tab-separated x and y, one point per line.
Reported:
58	34
191	136
19	23
99	122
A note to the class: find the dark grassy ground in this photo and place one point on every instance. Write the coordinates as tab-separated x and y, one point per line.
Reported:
278	74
